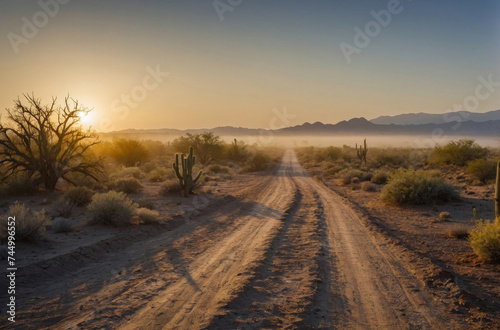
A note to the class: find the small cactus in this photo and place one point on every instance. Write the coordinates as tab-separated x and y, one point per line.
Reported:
497	193
362	152
184	172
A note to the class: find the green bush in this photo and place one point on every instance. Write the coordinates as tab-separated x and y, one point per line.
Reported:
159	174
146	202
458	153
80	196
368	186
380	177
207	146
148	216
444	215
482	169
170	187
348	175
111	208
29	225
333	153
218	169
128	186
410	187
332	171
259	162
63	208
129	152
148	167
485	240
18	186
133	172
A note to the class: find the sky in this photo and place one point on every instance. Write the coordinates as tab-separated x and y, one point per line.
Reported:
202	64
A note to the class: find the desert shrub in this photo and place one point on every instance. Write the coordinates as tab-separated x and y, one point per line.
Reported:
128	152
485	240
259	162
156	148
62	225
236	151
218	169
148	167
128	186
63	208
368	186
348	154
81	180
159	174
444	215
355	186
332	153
458	152
80	196
147	216
111	208
134	172
170	187
459	231
366	176
147	203
410	187
207	146
482	169
332	171
355	180
30	225
347	175
389	159
380	177
18	185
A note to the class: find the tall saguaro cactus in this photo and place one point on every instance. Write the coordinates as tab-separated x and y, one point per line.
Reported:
497	193
184	172
362	152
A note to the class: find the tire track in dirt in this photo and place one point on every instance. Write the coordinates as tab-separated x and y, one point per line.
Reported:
221	271
291	287
124	278
370	288
288	254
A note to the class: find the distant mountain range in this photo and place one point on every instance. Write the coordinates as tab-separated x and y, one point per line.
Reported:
431	118
450	124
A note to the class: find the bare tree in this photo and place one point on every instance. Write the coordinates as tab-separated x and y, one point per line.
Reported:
47	142
207	146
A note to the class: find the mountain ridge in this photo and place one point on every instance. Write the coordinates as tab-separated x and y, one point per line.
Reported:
430	118
346	127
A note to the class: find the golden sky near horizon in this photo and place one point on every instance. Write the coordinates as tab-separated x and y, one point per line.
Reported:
176	64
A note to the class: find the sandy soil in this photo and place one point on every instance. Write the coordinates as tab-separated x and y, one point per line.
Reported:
279	250
425	242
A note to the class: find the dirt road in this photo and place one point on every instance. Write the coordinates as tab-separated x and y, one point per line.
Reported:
285	251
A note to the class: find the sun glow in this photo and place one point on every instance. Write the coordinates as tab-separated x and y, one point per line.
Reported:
87	119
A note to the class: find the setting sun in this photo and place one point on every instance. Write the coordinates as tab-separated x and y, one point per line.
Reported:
234	164
88	118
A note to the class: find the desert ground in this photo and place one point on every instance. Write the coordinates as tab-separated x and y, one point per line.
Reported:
274	249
